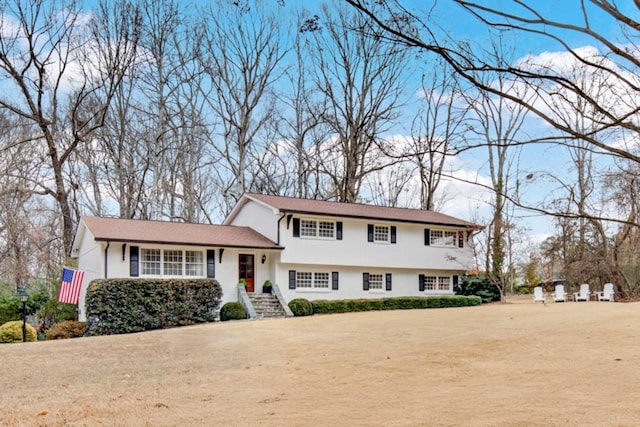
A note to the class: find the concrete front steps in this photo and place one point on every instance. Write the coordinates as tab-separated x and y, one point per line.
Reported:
266	305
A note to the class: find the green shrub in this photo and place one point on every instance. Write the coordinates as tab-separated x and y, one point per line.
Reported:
11	332
67	329
120	306
301	307
481	287
232	311
399	303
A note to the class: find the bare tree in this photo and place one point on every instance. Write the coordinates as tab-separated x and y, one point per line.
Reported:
240	53
60	75
361	78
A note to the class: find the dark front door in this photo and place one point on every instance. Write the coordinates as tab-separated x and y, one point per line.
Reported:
245	270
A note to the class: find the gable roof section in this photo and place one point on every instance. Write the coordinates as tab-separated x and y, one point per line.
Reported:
358	210
175	233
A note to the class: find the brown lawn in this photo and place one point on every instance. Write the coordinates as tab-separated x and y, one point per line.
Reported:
514	364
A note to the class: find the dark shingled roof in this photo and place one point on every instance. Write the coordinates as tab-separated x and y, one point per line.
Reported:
357	210
180	233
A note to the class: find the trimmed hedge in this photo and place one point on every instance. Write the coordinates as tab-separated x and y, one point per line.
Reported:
11	332
120	306
399	303
67	329
301	307
232	311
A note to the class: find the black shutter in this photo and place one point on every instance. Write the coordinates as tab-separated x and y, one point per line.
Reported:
370	232
211	263
388	280
421	283
296	227
134	257
334	280
427	237
339	230
393	234
292	279
456	287
365	281
461	239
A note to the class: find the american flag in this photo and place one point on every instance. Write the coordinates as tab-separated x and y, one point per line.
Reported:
70	286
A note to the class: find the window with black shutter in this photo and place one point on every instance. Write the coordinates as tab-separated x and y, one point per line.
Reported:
211	263
334	280
388	281
365	281
292	279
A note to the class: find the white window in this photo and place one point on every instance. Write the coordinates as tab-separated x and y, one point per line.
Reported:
171	262
317	229
444	283
381	233
308	228
150	260
443	238
437	283
193	263
375	281
309	280
430	283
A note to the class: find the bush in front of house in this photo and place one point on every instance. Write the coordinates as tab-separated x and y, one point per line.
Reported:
300	307
481	287
232	311
11	332
66	329
120	306
399	303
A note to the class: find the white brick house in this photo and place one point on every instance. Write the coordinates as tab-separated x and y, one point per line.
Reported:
309	248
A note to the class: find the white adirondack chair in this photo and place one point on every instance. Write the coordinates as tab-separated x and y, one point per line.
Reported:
583	294
607	293
538	295
559	295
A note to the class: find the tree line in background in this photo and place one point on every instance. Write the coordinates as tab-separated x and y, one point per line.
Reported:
169	110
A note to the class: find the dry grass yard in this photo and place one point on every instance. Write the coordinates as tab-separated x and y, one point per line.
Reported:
514	364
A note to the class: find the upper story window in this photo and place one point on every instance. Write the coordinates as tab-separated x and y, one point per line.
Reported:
317	229
380	233
442	238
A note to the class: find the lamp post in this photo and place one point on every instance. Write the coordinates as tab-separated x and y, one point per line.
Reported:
23	297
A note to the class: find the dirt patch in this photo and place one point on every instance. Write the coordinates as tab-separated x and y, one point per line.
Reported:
510	364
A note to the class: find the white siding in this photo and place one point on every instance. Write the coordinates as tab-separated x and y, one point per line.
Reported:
409	251
261	218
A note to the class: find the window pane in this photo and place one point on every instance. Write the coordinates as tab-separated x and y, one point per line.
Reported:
172	263
150	260
443	238
193	263
429	283
308	228
444	283
381	233
375	281
304	279
326	229
321	280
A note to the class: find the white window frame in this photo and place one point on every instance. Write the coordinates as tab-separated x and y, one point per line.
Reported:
190	260
376	282
434	283
317	229
313	281
376	227
444	238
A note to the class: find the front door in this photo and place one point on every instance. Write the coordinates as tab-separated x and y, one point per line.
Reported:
245	270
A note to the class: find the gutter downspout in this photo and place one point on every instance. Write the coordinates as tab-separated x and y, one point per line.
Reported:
283	215
106	269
